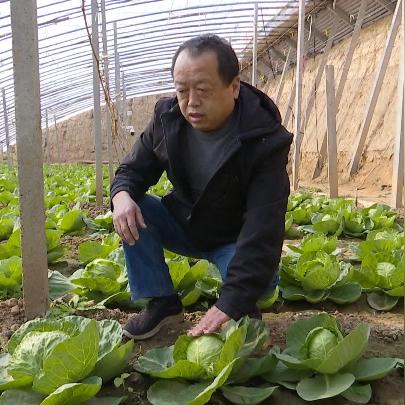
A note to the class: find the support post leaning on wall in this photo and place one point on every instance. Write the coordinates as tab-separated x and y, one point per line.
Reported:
331	128
254	56
365	126
298	96
342	82
402	72
280	86
398	158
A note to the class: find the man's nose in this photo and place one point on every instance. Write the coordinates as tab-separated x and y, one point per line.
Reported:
193	99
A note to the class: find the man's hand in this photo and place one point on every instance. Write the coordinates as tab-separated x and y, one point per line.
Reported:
211	322
127	217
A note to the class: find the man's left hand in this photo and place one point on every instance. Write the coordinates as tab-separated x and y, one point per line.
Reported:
211	322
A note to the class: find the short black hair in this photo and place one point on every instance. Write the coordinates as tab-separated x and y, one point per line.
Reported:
228	64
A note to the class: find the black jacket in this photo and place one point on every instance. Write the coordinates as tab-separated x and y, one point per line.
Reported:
244	201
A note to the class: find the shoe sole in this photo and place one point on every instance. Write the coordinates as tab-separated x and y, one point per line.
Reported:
156	329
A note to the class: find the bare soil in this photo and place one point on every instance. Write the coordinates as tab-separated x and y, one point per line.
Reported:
93	210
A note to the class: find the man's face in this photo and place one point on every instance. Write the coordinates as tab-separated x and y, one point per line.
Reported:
204	99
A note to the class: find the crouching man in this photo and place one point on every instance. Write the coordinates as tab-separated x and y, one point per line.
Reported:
225	151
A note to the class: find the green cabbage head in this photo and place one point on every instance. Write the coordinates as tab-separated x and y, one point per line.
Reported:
204	350
320	342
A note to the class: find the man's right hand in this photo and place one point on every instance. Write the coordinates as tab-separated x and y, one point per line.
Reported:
127	217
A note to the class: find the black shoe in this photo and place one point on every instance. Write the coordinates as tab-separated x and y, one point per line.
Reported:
159	312
256	314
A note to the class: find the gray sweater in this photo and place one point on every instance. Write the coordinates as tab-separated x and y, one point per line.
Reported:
203	151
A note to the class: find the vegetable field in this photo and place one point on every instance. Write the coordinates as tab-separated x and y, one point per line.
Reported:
332	332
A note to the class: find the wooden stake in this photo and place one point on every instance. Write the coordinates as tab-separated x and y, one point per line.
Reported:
298	95
24	28
331	121
321	69
403	98
96	104
290	105
57	140
254	64
403	105
361	139
342	81
107	114
9	162
46	135
282	79
398	160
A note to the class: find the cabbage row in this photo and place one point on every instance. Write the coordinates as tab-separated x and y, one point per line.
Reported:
307	213
319	362
312	271
66	187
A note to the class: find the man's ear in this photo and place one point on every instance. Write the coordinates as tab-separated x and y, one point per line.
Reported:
236	86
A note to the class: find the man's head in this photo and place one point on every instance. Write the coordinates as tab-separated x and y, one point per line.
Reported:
205	71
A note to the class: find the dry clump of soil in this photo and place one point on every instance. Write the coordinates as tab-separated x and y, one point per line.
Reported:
70	261
114	314
93	210
72	242
12	317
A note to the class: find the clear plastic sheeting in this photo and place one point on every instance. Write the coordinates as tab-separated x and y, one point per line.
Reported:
148	33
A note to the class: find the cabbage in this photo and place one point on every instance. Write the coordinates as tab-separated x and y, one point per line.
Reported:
207	363
204	350
321	362
321	342
53	358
